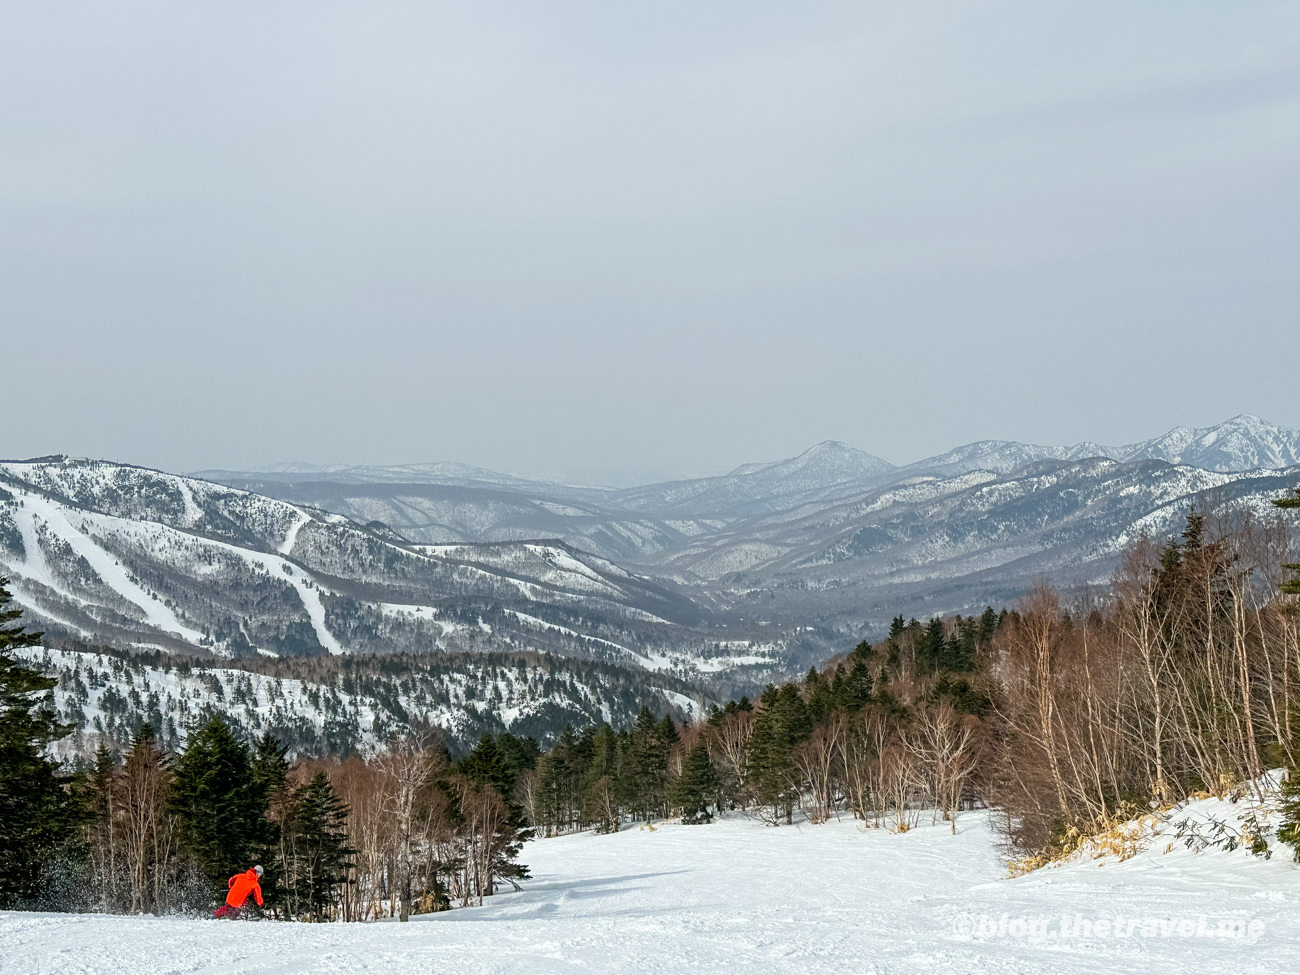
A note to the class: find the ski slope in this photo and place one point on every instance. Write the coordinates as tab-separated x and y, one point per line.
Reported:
736	896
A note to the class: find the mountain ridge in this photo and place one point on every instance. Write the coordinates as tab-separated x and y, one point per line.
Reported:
726	579
1243	442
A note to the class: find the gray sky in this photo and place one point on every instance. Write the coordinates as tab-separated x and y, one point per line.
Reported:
657	237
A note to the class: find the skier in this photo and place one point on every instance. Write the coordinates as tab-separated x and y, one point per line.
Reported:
241	885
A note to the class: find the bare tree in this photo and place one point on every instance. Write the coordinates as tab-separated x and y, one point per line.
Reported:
407	769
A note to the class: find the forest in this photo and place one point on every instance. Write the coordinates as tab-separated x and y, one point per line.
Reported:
1179	678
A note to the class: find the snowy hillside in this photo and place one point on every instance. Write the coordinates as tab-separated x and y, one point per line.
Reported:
348	705
1244	443
825	470
768	569
955	543
736	896
114	554
1241	444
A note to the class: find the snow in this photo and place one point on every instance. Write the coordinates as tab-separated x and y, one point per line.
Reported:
682	701
712	665
543	624
286	547
193	513
311	601
737	896
106	567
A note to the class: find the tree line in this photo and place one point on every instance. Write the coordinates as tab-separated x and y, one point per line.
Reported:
1180	678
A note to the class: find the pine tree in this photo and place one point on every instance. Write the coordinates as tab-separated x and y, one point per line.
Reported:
322	856
781	724
644	775
988	627
269	775
821	699
856	686
36	813
1292	586
498	761
220	807
929	652
600	794
696	785
1289	831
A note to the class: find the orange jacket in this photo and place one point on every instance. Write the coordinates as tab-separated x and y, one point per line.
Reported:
241	885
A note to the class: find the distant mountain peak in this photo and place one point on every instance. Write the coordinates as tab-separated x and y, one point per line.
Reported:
830	457
1243	443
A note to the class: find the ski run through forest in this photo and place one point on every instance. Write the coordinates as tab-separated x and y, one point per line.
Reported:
1108	785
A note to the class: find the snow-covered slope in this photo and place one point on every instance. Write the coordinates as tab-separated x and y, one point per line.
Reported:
1244	443
114	554
827	469
353	705
736	896
958	543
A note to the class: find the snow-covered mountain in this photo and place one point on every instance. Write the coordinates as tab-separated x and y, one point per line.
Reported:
765	569
111	554
956	543
1244	443
446	473
825	470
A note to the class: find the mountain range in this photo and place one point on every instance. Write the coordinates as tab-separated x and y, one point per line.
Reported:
721	581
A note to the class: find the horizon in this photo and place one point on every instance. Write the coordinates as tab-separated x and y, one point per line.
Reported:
629	479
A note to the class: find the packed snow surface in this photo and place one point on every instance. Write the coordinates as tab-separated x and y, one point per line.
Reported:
736	896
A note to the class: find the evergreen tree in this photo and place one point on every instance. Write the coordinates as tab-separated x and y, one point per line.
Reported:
856	686
644	777
781	724
555	803
696	785
498	761
269	774
668	737
36	813
1289	831
1292	586
600	796
821	700
321	859
929	650
219	805
988	626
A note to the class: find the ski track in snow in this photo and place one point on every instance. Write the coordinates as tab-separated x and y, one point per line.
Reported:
193	513
286	547
106	567
310	596
735	897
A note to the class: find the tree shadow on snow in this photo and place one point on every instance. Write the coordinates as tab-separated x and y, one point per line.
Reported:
545	899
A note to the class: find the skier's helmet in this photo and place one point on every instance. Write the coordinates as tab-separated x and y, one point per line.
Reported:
258	869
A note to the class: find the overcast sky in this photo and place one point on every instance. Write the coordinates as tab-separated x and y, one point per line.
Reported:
658	238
